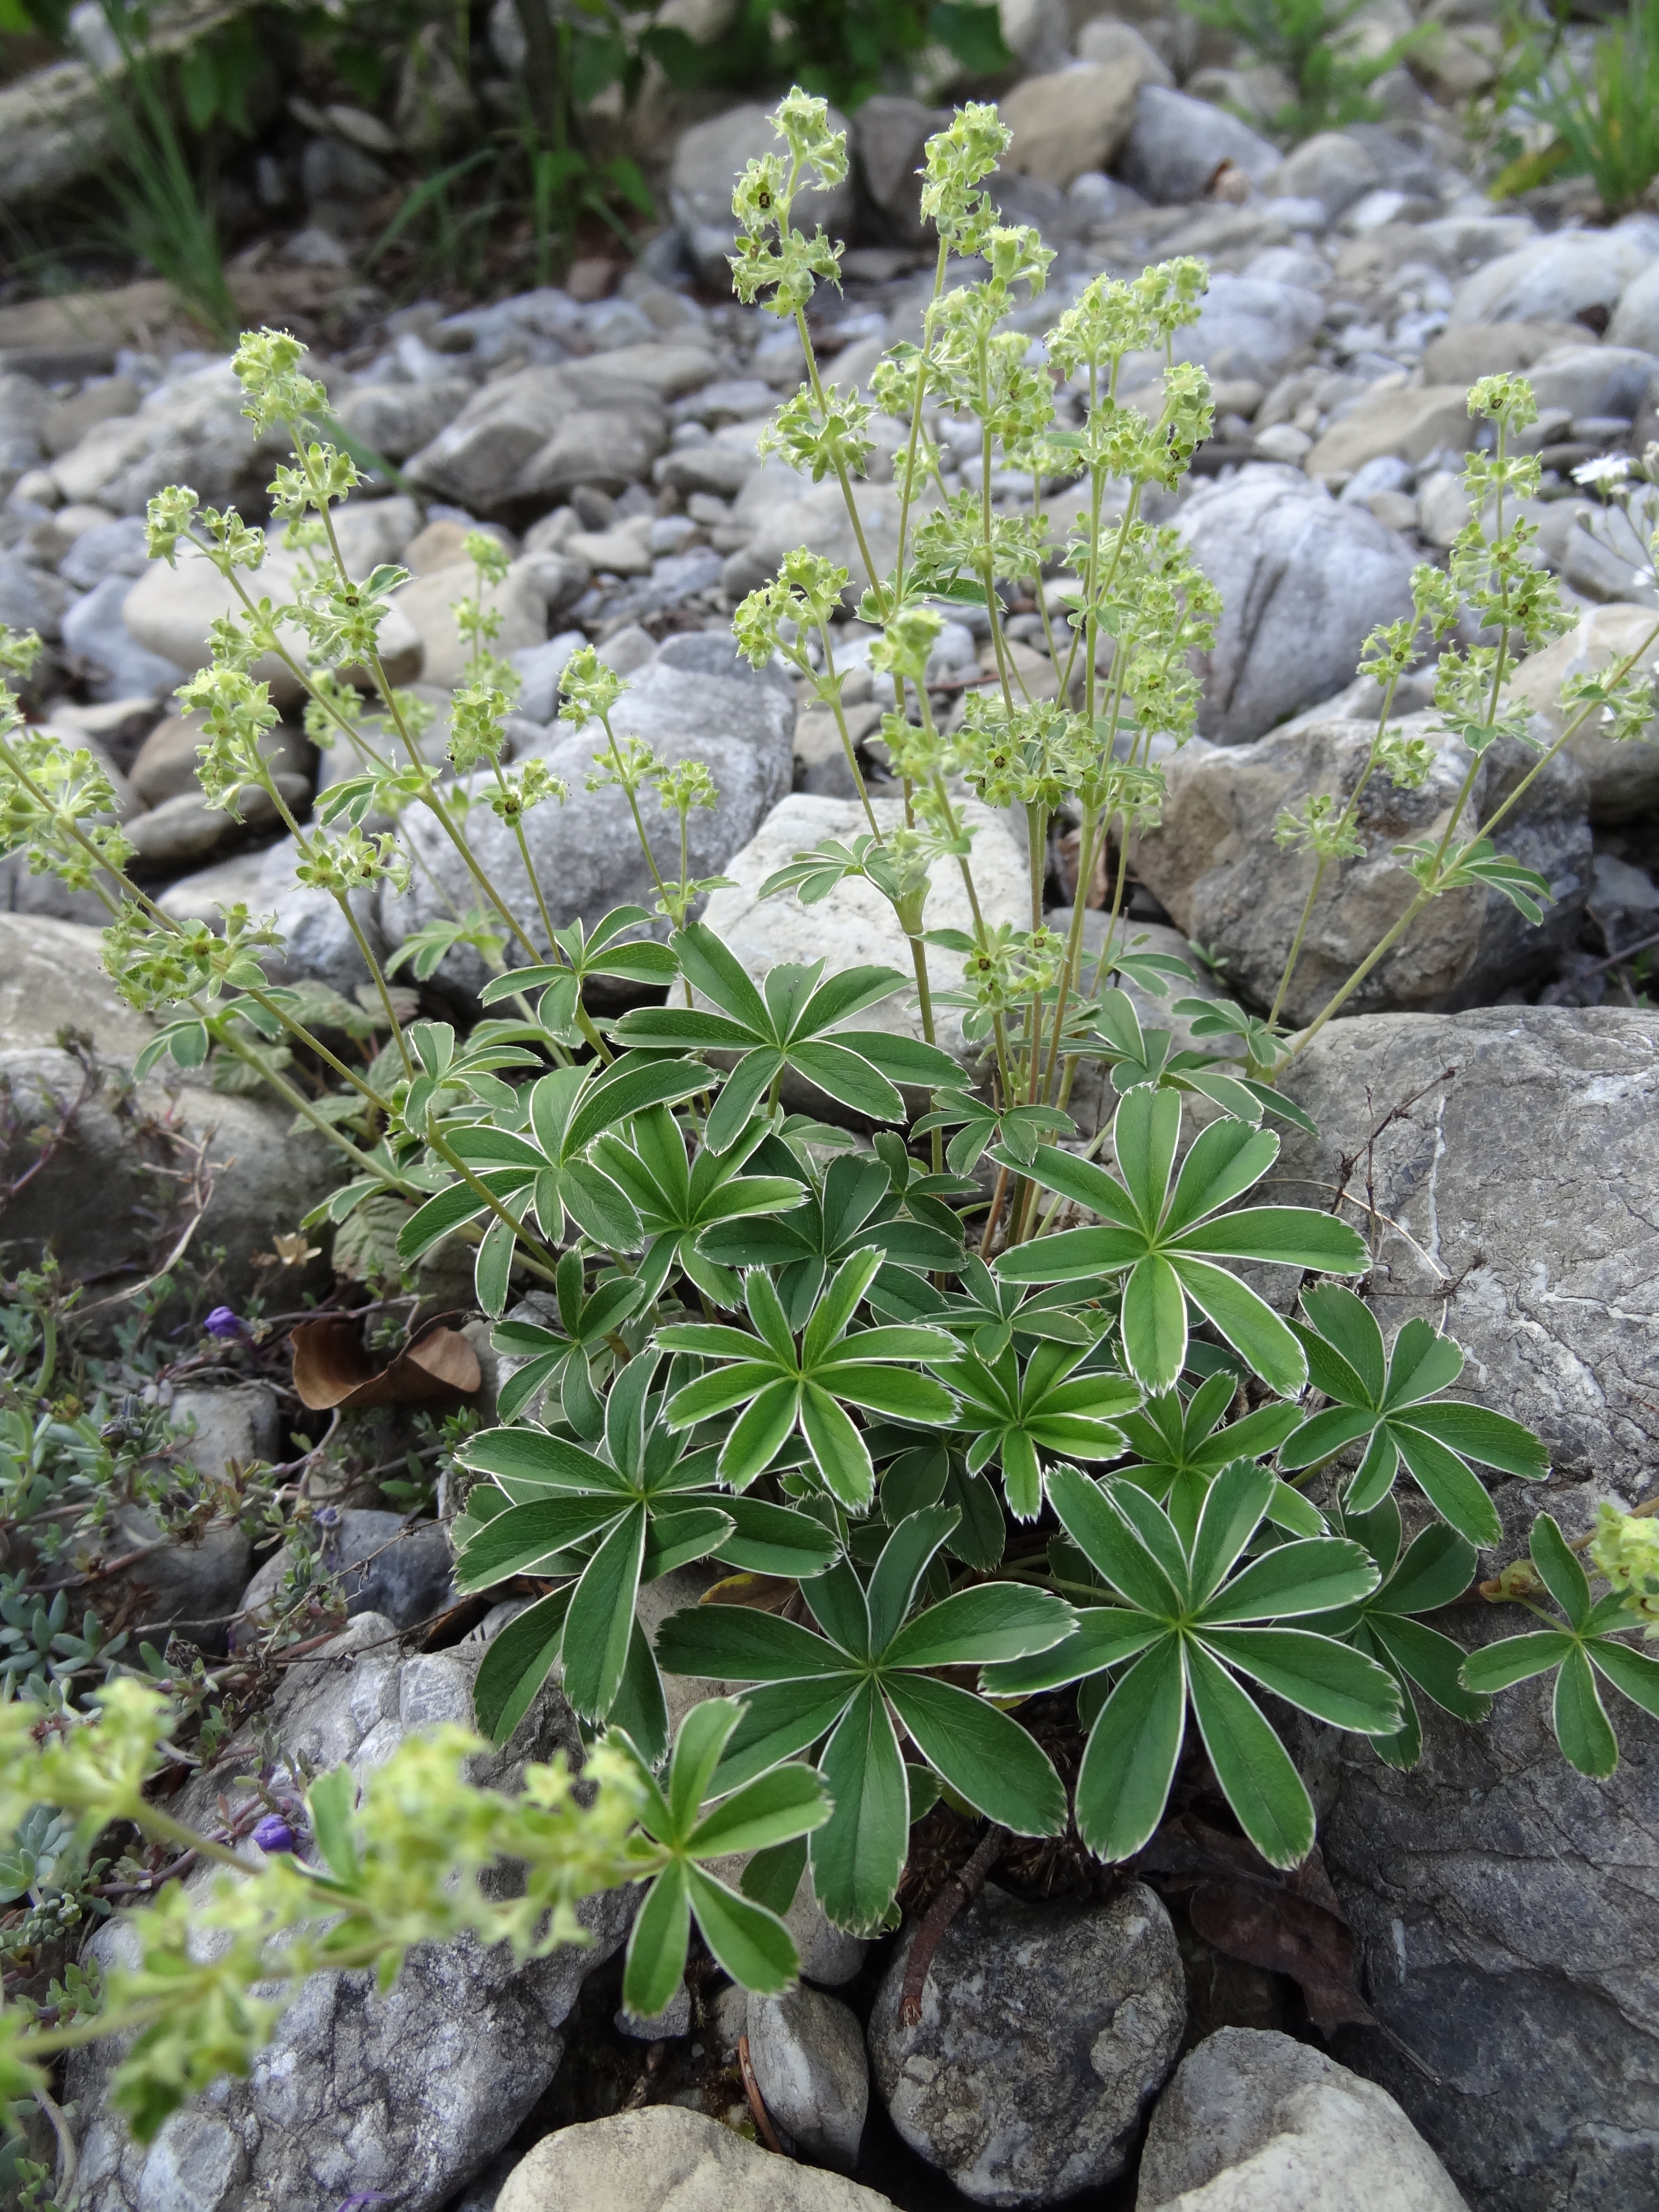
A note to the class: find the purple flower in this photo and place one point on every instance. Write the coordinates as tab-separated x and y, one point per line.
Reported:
274	1834
223	1323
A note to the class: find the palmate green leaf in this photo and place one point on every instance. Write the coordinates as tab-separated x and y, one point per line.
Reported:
996	1622
1188	1610
1146	1131
751	1943
736	1643
838	1449
1450	1484
529	1540
1182	1447
1314	1574
1560	1569
786	1804
1226	1160
529	1463
981	1535
1154	1322
773	1877
1581	1727
1167	1241
791	1024
676	1538
1437	1569
1516	1659
1631	1672
891	1590
657	1945
782	1719
748	1940
441	1215
839	1685
1586	1646
782	1387
1094	1517
1248	1323
639	1708
1231	1513
1103	1636
492	1268
1392	1411
1011	1411
774	1540
1428	1659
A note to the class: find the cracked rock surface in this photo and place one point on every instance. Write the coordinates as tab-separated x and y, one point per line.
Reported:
410	2092
1044	2029
1531	1178
1504	1908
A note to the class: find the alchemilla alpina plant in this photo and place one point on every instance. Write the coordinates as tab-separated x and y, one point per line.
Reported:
974	1411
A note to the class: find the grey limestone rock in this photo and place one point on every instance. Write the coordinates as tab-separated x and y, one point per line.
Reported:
1044	2030
31	597
1073	120
855	924
23	406
1254	2122
1303	580
668	2159
408	2094
808	2059
1636	319
1620	779
398	419
191	429
1213	863
586	851
186	1588
98	1199
386	1566
1554	279
1330	168
1505	1907
1529	1177
1251	326
888	136
102	649
533	433
1176	144
674	2020
52	976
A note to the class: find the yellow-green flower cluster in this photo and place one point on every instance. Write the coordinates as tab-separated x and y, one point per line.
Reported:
1625	1547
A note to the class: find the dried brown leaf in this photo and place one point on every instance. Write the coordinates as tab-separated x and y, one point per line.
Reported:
332	1368
1290	1923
